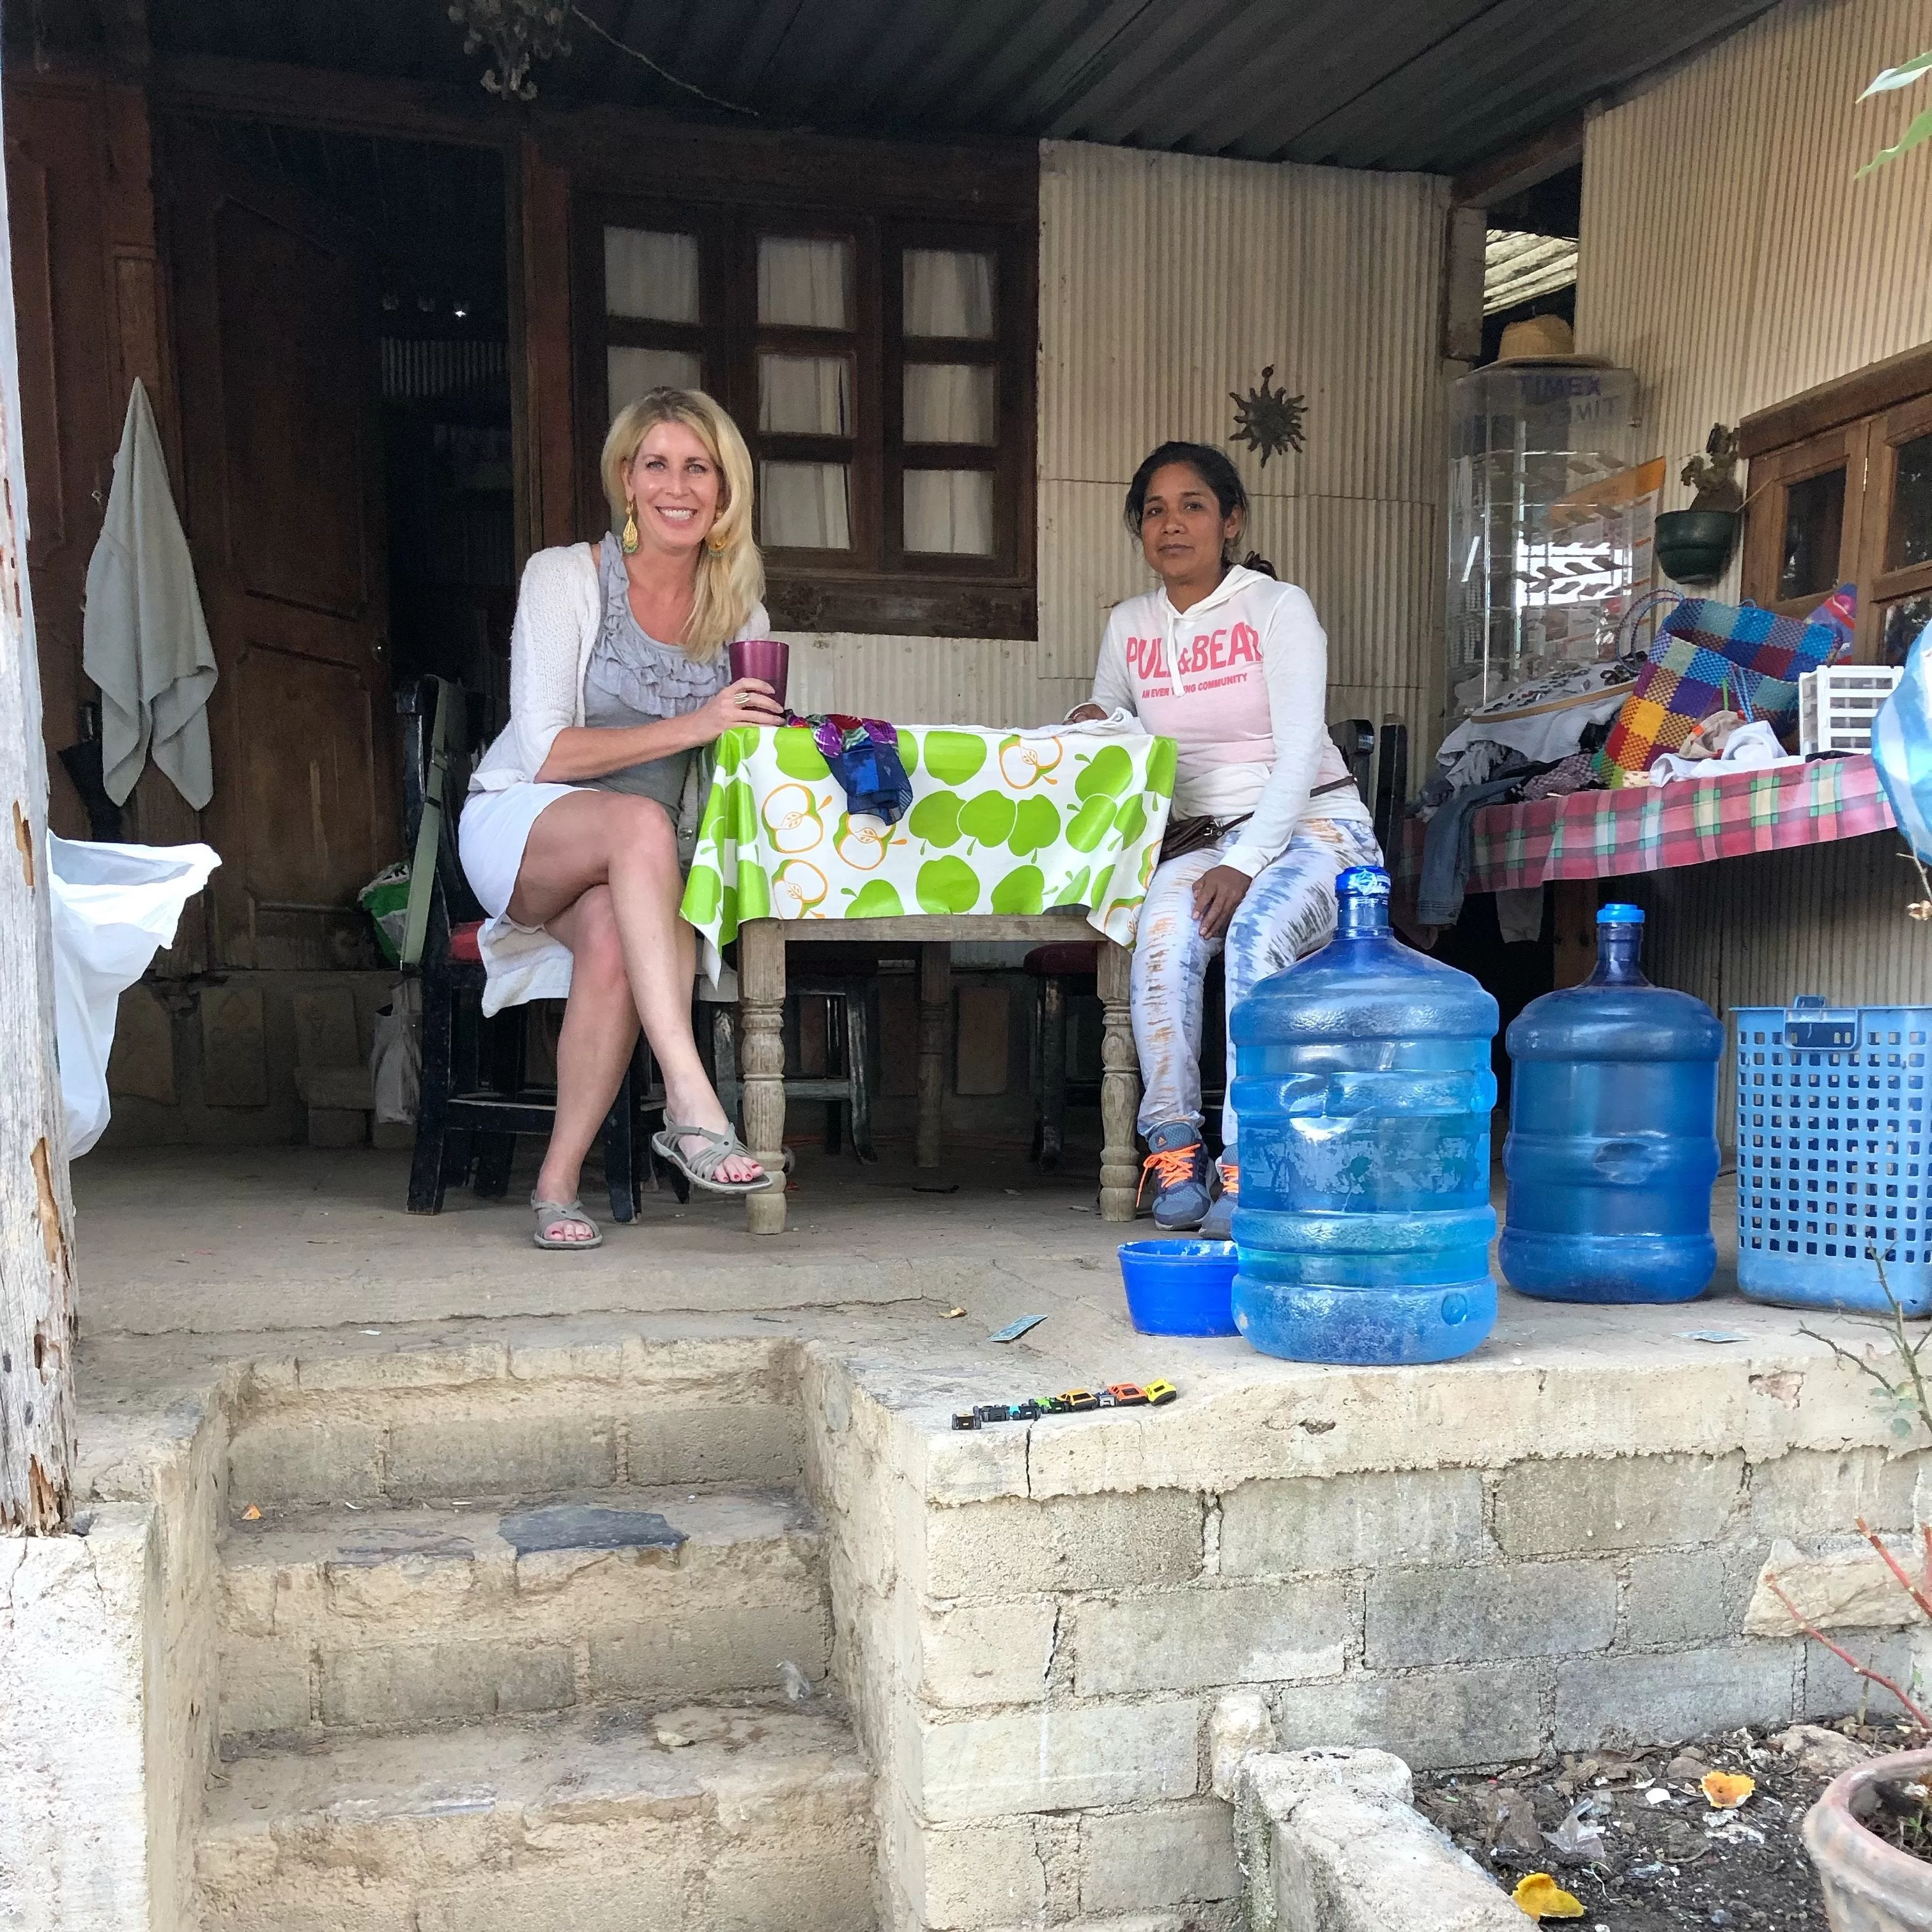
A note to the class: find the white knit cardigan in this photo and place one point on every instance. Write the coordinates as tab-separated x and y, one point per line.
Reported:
559	610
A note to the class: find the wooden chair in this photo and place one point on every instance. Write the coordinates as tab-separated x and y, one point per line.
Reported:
476	1096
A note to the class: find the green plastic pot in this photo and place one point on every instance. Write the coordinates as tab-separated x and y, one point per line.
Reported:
1694	546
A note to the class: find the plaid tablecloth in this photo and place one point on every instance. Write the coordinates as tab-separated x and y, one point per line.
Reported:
1597	834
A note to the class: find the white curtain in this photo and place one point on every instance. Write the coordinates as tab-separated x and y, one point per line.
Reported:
950	402
630	373
949	292
805	395
950	512
650	275
804	506
805	282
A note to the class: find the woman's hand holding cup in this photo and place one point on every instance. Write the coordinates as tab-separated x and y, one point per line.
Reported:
746	700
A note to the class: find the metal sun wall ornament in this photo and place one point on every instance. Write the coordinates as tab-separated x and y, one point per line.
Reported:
518	33
1268	420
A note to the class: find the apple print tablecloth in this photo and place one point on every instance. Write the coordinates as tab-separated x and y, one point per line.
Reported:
999	823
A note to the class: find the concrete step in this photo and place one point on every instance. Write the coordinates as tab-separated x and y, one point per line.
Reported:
387	1619
480	1418
702	1819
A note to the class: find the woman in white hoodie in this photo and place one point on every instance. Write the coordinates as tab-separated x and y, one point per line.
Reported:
1233	667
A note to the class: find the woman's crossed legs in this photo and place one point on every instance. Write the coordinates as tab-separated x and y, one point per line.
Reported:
600	873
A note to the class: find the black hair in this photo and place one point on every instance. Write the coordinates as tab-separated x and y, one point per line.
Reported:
1213	468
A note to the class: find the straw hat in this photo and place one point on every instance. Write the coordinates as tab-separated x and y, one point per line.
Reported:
1544	338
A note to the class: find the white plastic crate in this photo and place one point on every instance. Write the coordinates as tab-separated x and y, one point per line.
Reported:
1835	1155
1836	706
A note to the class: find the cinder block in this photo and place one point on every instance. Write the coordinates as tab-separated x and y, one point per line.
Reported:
1832	1689
757	1445
653	1863
1579	1504
1008	1547
1433	1720
391	1690
981	1654
1190	1640
264	1687
1476	1615
1278	1528
141	1064
1689	1694
1065	1760
299	1457
1678	1598
710	1650
520	1452
1130	1860
964	1877
799	1889
1823	1492
234	1053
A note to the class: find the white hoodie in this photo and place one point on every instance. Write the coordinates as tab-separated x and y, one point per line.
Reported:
1239	682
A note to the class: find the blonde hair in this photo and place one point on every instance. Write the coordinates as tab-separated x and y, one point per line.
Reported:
730	573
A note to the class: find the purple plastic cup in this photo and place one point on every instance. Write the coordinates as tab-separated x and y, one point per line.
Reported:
767	657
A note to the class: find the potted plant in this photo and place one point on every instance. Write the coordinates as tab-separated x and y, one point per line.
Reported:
1870	1834
1694	545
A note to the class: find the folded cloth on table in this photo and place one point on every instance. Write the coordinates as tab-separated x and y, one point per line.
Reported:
864	755
1750	748
1543	720
1119	723
1577	772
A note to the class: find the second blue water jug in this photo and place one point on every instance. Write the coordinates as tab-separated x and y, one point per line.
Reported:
1363	1091
1613	1144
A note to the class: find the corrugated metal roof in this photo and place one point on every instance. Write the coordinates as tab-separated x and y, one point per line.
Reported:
1434	85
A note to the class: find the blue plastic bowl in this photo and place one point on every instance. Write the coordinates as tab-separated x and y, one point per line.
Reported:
1180	1288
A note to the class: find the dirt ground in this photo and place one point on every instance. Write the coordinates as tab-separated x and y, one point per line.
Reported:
1634	1837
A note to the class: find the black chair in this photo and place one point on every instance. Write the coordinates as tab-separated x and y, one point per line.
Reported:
1378	760
476	1097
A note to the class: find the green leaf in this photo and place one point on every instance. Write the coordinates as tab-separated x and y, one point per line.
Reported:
1920	130
1899	76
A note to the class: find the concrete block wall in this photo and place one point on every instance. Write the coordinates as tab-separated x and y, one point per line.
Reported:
1034	1672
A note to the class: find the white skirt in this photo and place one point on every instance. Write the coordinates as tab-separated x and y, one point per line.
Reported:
524	962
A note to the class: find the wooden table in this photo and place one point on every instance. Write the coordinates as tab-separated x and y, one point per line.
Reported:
761	997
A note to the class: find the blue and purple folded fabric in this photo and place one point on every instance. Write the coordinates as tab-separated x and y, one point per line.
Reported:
864	755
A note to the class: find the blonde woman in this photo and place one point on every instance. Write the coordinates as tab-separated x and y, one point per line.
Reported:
617	676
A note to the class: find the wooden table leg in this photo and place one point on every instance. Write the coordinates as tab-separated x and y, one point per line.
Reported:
761	996
935	998
1120	1088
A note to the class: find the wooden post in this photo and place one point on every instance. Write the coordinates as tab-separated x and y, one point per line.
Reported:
935	1000
761	1000
37	1313
1119	1087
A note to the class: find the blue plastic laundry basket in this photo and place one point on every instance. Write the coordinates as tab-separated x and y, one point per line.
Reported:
1835	1155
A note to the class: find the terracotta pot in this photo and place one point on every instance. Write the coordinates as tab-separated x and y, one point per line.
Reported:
1869	1886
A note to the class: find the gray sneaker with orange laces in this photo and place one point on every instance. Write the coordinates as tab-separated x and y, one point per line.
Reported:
1177	1163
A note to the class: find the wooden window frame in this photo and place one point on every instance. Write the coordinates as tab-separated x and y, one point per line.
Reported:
1859	422
885	200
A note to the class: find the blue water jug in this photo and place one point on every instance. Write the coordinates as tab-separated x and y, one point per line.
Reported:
1364	1092
1612	1144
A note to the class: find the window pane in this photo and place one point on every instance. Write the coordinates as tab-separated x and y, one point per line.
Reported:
806	505
632	373
1814	515
1909	539
805	282
651	275
950	512
805	395
949	292
950	402
1901	624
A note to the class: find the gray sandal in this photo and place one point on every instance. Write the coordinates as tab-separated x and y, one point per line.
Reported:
701	1169
549	1212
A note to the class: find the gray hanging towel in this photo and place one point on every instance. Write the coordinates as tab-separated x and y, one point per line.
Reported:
144	639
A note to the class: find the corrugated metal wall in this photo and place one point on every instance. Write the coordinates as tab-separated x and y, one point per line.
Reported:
1165	282
1728	256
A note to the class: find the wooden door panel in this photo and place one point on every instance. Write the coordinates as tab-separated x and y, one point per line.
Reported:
298	466
278	401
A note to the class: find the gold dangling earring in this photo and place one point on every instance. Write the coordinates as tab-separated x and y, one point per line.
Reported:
629	539
715	545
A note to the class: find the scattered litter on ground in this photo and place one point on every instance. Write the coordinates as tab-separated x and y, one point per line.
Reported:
952	1314
796	1686
1013	1331
1700	1834
1708	1335
1539	1894
252	1513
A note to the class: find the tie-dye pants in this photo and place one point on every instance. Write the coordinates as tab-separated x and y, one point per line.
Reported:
1288	911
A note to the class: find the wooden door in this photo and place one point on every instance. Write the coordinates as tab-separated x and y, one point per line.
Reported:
275	345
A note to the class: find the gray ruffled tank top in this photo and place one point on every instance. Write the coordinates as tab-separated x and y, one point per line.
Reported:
632	679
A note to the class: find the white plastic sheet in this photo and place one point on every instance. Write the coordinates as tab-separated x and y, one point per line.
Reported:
115	906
